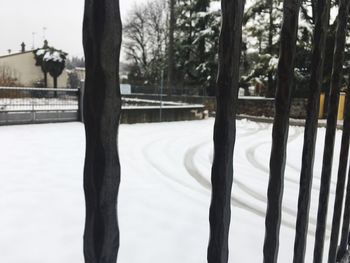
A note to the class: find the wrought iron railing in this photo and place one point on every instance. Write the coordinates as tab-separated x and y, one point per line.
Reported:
38	99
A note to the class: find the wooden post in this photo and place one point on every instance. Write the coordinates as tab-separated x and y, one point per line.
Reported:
225	129
285	75
102	32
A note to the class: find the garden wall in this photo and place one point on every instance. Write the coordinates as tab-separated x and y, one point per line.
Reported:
252	106
169	113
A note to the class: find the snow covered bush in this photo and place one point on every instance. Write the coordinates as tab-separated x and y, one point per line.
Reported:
51	61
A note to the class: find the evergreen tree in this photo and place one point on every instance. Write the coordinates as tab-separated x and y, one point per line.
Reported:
39	56
196	43
262	24
54	62
51	61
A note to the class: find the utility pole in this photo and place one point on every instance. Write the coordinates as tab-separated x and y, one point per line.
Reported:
44	33
161	96
171	67
33	36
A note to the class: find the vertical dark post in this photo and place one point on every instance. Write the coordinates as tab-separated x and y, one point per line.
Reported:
102	105
285	74
346	221
161	95
225	129
81	102
45	79
270	88
339	196
171	58
310	133
55	85
331	129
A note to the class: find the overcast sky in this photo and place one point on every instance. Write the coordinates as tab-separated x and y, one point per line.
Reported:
63	20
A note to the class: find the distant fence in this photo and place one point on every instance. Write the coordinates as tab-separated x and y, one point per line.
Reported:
23	105
37	105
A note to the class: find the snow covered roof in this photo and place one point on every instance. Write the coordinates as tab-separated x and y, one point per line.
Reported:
16	54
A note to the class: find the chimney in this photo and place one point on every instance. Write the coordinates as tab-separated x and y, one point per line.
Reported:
9	50
23	47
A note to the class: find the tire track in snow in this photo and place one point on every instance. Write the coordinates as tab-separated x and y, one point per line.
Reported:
236	201
164	172
250	155
196	174
188	162
169	176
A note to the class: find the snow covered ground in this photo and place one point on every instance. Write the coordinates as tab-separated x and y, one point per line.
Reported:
164	194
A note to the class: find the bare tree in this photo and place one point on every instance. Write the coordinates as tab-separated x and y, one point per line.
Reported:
145	36
225	129
102	34
157	32
156	27
136	40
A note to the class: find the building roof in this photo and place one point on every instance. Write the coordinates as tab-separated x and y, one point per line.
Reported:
16	54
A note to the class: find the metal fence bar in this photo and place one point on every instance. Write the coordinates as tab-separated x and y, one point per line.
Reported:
330	132
343	163
36	99
21	105
346	221
310	133
37	89
285	73
225	129
102	32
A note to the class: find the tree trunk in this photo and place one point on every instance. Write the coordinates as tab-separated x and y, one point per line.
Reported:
55	85
45	79
310	134
285	75
102	105
331	129
225	129
171	58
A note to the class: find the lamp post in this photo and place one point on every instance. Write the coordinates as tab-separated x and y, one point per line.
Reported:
161	95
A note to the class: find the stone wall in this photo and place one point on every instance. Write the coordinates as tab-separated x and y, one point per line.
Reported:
266	107
252	106
152	114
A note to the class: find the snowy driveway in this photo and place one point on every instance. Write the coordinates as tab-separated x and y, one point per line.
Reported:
164	195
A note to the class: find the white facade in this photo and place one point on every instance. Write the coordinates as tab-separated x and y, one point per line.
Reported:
22	67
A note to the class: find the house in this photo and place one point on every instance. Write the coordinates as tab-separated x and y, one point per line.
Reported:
21	67
80	73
